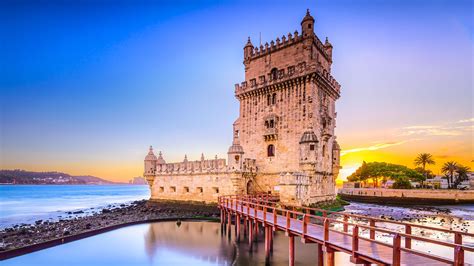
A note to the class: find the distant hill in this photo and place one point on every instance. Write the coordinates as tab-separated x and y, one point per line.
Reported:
22	177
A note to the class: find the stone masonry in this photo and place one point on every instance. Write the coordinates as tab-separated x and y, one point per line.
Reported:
283	139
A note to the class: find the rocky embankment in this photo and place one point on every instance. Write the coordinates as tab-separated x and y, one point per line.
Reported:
24	235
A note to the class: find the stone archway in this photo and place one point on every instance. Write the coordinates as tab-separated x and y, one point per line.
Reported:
250	187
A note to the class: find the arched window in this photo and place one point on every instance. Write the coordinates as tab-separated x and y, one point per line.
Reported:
270	150
269	99
274	74
274	97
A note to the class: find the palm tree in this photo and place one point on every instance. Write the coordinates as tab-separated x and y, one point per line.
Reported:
422	160
461	172
449	168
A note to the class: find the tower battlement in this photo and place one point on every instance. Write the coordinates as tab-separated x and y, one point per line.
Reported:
286	40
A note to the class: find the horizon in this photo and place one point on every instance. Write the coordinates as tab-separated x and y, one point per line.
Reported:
86	93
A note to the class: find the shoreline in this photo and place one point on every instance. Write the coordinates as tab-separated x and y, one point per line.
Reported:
407	197
23	239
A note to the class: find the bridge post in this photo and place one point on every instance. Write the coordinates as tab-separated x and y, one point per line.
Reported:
329	252
330	260
458	251
291	250
407	239
396	250
245	225
345	226
250	233
320	254
372	231
458	256
355	245
271	239
267	244
237	224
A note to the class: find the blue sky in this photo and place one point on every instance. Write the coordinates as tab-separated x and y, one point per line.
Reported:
86	86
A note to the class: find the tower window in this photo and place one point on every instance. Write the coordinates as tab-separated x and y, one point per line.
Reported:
274	74
309	26
274	96
270	150
269	99
311	147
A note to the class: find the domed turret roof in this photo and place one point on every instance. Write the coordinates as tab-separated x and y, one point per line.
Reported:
236	148
308	136
249	43
307	17
150	156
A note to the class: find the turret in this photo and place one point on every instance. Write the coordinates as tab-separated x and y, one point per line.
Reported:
308	148
328	48
150	166
248	50
236	152
307	25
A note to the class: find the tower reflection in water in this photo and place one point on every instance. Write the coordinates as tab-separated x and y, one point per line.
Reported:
200	241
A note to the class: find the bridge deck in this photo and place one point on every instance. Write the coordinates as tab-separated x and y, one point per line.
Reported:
368	250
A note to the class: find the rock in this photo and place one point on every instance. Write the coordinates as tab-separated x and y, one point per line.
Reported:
105	211
78	212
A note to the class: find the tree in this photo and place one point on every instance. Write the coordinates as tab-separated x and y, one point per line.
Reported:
402	183
449	168
422	160
461	174
381	170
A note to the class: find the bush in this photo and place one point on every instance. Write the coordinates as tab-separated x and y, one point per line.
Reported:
402	183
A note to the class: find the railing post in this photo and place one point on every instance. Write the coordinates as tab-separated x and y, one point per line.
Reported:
345	226
264	215
458	256
396	259
305	225
325	214
274	217
407	239
372	231
458	251
355	240
326	229
248	208
288	220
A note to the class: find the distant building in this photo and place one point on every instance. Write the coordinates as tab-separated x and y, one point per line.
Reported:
283	140
138	180
437	182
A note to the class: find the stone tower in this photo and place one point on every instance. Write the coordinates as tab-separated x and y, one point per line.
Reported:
287	115
283	140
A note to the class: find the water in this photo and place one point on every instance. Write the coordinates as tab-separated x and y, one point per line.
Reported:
166	243
28	203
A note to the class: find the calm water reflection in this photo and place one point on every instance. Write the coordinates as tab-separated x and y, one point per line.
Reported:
166	243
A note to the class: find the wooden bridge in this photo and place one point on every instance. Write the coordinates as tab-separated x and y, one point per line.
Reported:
337	232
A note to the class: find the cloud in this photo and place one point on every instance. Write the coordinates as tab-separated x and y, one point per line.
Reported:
466	120
374	147
449	129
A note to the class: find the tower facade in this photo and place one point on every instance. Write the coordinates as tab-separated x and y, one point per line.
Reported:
283	140
287	115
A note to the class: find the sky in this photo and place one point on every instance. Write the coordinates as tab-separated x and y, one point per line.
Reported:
86	86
